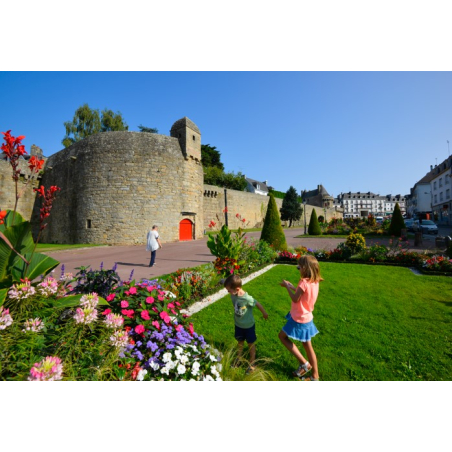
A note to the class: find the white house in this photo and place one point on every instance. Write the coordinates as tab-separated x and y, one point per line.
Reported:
441	198
254	186
361	204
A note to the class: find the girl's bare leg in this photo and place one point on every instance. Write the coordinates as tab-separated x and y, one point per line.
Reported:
312	358
291	347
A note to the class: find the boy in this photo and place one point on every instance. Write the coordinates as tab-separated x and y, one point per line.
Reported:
243	317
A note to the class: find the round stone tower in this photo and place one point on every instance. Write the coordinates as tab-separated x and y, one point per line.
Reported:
116	185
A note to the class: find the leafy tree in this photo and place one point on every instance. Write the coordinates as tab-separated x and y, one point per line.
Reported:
272	232
291	209
210	156
397	222
148	129
87	121
215	176
314	226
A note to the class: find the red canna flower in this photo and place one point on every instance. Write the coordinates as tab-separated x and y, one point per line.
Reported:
35	164
2	216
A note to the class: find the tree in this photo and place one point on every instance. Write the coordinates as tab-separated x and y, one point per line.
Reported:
272	232
210	156
87	121
314	226
291	209
215	176
148	129
397	222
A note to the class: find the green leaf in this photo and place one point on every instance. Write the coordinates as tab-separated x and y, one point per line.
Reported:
8	221
74	300
3	293
40	264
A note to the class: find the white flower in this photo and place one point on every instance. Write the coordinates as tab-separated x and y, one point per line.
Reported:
184	359
154	365
208	378
213	358
219	367
171	364
181	369
219	379
141	374
167	357
164	370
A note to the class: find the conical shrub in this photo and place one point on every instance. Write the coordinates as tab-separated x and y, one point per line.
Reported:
397	222
314	226
272	232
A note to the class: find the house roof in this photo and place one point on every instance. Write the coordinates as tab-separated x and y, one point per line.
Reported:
262	185
319	190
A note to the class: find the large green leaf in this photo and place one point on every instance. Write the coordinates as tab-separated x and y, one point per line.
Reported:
8	221
40	264
74	300
20	238
3	293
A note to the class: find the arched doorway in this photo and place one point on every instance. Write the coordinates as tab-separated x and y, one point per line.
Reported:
186	230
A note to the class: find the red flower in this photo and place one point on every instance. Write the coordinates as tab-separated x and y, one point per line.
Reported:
145	315
139	329
2	216
35	164
191	329
111	297
107	311
128	328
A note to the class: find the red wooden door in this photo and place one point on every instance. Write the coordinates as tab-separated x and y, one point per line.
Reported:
186	230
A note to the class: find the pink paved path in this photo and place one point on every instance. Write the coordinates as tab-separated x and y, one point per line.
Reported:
174	256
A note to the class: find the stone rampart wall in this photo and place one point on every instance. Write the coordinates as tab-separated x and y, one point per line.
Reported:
116	185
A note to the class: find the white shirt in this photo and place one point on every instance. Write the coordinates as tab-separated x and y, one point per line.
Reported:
152	244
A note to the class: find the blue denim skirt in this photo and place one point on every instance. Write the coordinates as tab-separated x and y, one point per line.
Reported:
299	331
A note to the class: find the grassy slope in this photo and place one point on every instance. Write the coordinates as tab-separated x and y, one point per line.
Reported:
375	323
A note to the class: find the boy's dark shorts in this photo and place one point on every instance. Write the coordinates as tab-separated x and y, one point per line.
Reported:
246	334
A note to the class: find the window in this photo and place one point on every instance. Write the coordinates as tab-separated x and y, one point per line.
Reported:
434	185
446	179
436	199
440	181
448	193
88	224
441	196
194	138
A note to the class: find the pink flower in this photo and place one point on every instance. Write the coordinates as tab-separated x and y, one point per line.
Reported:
156	324
177	303
170	305
178	327
191	329
161	298
49	369
150	288
173	311
150	300
139	329
133	290
106	312
124	304
165	317
111	297
145	315
155	310
128	313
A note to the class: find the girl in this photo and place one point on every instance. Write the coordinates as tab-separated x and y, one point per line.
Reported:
300	325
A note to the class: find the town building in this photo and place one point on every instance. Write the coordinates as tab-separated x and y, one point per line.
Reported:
257	187
441	199
363	204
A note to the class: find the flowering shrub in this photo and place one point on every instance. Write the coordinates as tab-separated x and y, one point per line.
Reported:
287	256
355	242
192	284
301	250
255	253
49	369
437	263
172	353
341	252
226	266
99	281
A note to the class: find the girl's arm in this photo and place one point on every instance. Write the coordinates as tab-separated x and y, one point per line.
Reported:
293	294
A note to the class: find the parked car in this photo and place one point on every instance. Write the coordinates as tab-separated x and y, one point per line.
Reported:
409	224
426	226
379	220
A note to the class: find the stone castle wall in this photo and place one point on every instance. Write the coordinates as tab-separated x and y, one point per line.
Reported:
250	206
116	185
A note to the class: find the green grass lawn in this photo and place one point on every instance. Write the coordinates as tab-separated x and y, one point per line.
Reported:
375	323
49	247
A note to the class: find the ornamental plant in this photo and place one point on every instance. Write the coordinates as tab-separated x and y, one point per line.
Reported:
355	242
100	281
397	222
314	226
18	259
173	352
272	231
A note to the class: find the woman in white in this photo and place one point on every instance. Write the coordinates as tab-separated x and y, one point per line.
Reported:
153	243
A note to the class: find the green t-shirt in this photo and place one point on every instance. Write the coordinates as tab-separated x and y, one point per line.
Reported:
243	310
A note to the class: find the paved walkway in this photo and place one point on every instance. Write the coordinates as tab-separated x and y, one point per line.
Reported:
174	256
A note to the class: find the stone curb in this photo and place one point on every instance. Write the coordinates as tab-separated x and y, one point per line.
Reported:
196	307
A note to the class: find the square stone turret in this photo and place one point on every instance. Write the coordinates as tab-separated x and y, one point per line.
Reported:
189	136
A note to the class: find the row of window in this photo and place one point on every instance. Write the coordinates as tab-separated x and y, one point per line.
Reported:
441	196
440	180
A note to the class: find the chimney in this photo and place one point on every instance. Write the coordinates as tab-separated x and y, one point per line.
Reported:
265	182
431	167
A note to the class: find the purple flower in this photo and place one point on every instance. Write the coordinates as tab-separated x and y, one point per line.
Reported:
115	266
62	271
138	354
131	275
152	346
101	266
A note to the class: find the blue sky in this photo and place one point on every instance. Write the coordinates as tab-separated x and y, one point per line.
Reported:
358	131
